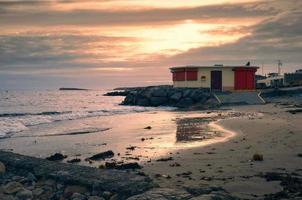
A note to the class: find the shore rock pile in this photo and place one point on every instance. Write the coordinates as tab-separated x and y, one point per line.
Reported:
168	96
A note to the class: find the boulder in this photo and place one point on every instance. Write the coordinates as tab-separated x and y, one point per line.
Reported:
2	168
215	196
176	96
159	92
158	101
162	194
143	101
56	157
185	103
24	194
78	196
102	155
71	189
95	198
12	187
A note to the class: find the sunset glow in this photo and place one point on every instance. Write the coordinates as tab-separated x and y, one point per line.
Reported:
77	36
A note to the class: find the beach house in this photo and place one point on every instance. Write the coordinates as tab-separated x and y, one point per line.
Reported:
217	77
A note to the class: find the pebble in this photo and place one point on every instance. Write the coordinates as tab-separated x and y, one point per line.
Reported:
24	194
12	187
78	196
37	192
95	198
71	189
106	194
2	168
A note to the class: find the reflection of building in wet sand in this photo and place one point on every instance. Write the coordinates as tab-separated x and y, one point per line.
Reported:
194	129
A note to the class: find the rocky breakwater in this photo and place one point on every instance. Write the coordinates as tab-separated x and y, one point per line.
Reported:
168	96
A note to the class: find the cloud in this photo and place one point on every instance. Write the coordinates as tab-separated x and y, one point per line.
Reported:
278	37
88	17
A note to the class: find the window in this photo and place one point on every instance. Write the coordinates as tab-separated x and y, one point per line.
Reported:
179	76
191	75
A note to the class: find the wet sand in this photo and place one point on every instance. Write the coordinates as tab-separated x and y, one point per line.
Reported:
126	135
276	135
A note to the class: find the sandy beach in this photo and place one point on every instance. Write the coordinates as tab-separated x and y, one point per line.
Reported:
198	152
276	135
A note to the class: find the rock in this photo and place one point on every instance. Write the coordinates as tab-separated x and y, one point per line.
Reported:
215	196
114	197
12	187
24	194
184	103
176	96
117	93
148	127
257	157
56	157
6	197
30	177
78	196
2	168
164	159
158	101
197	191
159	92
143	102
113	165
71	189
162	194
37	192
95	198
75	160
102	155
106	194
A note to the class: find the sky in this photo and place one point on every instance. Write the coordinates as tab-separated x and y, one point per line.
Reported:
48	44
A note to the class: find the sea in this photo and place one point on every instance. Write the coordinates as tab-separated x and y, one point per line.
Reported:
82	123
23	110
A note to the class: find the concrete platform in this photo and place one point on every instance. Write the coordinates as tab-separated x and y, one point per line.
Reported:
239	98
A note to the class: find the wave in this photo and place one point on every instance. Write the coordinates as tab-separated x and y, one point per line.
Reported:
25	114
11	123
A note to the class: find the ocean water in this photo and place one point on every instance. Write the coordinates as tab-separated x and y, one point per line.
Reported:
21	111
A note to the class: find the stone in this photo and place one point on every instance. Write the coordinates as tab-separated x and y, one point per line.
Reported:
12	187
78	196
215	196
184	103
102	155
114	197
257	157
95	198
56	157
71	189
162	194
176	96
30	177
158	101
143	102
2	168
6	197
106	194
24	194
37	192
159	92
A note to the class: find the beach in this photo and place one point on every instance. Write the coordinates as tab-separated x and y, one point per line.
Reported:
276	135
196	153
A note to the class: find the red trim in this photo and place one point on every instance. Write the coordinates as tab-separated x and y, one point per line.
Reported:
191	75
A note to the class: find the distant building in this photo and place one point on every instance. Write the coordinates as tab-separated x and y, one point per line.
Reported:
275	80
272	81
217	77
293	79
